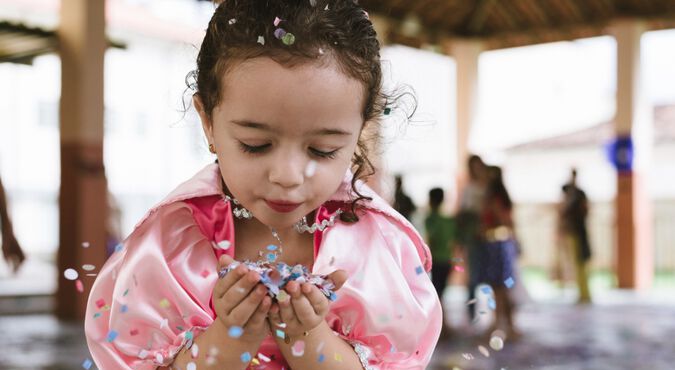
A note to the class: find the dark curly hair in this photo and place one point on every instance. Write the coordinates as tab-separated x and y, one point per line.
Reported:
316	30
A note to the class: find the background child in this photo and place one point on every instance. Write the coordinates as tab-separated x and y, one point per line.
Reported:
284	90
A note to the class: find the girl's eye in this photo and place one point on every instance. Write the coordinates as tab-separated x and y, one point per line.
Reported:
323	154
253	148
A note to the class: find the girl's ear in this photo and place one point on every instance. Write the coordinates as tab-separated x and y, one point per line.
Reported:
207	125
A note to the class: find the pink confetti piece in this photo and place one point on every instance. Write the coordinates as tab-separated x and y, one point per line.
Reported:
277	20
79	286
100	303
205	273
133	332
459	268
298	348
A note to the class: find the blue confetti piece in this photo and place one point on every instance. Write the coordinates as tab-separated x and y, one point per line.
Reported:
235	332
271	257
97	315
124	308
281	334
272	247
87	364
111	336
321	358
189	336
245	357
509	282
119	247
486	289
419	270
492	304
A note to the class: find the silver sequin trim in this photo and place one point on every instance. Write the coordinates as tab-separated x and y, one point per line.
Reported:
363	352
302	226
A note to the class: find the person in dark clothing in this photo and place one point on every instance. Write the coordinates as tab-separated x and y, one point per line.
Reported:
11	250
403	204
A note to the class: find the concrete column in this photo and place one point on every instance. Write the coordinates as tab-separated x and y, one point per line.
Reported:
466	54
83	194
635	252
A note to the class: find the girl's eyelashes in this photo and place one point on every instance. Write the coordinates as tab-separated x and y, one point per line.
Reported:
257	149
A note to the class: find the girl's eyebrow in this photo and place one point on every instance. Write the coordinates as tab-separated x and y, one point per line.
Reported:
266	127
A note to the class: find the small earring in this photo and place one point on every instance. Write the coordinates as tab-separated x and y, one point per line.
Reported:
212	149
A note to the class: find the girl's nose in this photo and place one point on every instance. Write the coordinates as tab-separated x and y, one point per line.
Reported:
287	170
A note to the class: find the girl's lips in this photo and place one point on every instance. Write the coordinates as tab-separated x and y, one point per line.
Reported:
282	206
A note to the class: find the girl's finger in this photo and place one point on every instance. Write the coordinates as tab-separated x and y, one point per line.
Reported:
239	291
304	311
316	299
338	277
224	284
257	320
286	312
241	313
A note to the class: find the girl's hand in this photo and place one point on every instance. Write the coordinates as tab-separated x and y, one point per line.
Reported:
240	300
305	309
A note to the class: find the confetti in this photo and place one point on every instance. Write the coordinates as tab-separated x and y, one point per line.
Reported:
164	303
97	315
143	354
419	270
85	245
486	289
288	39
70	274
509	282
124	308
387	111
321	358
159	358
467	356
312	2
338	357
272	247
283	296
164	323
235	332
484	351
277	20
88	267
496	343
263	357
459	268
224	244
281	334
133	332
87	364
189	336
279	33
492	304
298	348
118	247
320	347
100	303
310	170
232	21
245	357
79	286
205	273
261	40
111	336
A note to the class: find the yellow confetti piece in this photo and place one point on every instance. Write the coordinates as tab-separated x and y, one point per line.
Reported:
283	296
338	357
255	361
164	303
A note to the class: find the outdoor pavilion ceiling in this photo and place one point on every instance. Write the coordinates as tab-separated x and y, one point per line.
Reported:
509	23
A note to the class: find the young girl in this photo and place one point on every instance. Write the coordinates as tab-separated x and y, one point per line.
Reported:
284	90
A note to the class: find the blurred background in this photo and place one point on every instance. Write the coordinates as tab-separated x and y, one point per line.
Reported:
97	127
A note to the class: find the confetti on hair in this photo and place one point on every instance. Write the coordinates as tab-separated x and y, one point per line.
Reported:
484	351
111	336
235	331
312	2
366	14
277	20
387	111
298	348
261	40
232	21
509	282
279	33
79	286
87	364
288	39
71	274
245	357
326	8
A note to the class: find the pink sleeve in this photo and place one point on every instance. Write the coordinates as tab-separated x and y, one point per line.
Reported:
388	308
152	297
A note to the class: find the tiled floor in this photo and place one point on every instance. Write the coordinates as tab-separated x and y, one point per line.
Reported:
623	331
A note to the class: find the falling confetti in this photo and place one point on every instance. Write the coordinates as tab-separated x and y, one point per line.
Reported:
459	268
79	286
87	364
164	323
277	20
310	170
484	351
235	332
85	245
71	274
245	357
88	267
232	21
509	282
298	348
496	343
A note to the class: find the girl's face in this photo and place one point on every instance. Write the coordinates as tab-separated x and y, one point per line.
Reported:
284	136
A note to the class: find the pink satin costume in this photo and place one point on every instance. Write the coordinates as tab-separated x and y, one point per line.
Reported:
154	294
